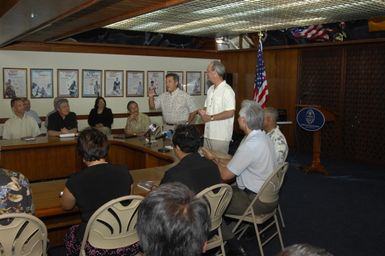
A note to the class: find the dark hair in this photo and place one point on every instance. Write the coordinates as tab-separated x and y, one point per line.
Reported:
92	144
14	100
174	76
131	102
172	222
97	101
187	138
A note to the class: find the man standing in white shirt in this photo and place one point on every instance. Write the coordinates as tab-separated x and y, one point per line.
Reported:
272	129
177	106
218	114
21	125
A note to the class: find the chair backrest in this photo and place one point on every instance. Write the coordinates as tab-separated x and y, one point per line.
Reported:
22	234
269	192
113	225
218	196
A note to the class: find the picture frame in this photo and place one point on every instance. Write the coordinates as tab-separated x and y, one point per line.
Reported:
113	83
41	83
68	83
14	82
155	79
134	83
181	79
207	83
91	83
193	82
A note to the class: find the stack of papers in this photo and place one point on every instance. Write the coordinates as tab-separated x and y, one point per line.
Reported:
67	135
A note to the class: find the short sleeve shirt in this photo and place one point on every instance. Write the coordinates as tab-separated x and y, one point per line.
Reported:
175	106
16	128
219	99
280	144
96	185
56	122
254	161
138	126
15	193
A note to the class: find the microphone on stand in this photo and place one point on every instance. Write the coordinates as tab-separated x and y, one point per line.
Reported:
165	135
151	130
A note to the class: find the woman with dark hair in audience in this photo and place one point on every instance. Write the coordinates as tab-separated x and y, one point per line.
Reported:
100	116
92	187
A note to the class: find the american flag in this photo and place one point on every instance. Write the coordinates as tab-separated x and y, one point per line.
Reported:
312	33
261	92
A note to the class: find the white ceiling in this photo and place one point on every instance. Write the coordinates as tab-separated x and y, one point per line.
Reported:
234	17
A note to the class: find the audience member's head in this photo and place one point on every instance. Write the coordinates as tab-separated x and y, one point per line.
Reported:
172	81
251	114
304	250
92	145
62	106
270	118
186	137
172	222
55	100
17	106
100	102
132	107
27	104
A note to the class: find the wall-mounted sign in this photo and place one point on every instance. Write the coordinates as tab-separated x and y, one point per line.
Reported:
310	119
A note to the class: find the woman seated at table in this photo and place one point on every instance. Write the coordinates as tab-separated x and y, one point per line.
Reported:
92	187
100	116
137	123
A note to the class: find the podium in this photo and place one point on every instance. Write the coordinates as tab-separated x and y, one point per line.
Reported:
310	113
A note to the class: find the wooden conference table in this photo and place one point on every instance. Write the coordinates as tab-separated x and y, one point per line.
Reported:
47	162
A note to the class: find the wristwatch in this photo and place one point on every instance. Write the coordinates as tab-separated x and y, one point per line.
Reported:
211	118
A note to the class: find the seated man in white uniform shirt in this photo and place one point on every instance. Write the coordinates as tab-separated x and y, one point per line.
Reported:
272	129
20	125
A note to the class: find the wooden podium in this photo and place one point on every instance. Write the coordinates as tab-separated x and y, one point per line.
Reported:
316	165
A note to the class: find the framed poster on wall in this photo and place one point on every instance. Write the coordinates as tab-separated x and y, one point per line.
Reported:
41	83
14	82
92	83
135	83
193	81
155	81
68	83
113	83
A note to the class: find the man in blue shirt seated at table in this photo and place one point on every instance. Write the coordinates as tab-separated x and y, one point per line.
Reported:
193	170
63	121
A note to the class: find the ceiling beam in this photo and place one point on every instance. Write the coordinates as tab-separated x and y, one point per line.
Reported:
29	16
119	11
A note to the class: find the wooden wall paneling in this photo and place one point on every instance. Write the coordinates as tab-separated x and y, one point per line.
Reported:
282	77
281	68
319	84
364	104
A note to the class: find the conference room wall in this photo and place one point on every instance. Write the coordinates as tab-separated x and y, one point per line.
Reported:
80	105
